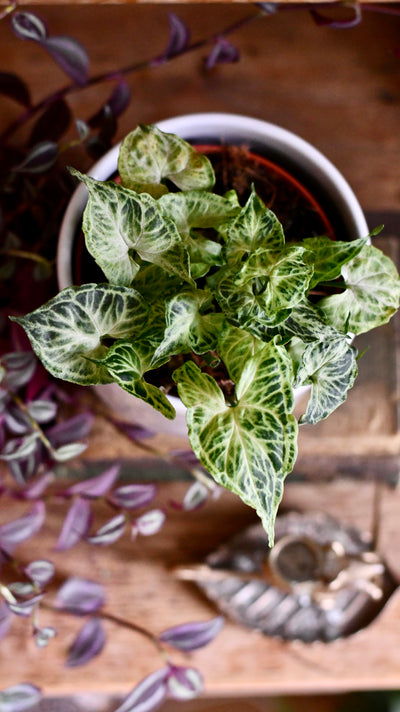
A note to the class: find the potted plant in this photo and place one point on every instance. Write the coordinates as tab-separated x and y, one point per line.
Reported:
203	293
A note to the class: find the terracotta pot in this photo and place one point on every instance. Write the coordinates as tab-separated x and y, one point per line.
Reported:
308	171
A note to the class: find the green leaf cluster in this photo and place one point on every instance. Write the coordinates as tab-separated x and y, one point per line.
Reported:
193	275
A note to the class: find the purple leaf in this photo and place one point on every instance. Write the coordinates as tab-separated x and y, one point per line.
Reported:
19	698
179	36
52	123
133	496
40	572
5	619
70	55
109	532
191	636
20	367
40	158
15	88
195	497
80	596
149	523
28	26
20	448
76	524
149	694
25	608
75	428
184	683
223	52
36	489
96	486
133	431
13	533
88	643
120	98
337	22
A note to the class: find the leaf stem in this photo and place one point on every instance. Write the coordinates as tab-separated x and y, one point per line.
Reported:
35	425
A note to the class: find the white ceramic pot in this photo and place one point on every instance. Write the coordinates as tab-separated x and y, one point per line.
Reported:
218	128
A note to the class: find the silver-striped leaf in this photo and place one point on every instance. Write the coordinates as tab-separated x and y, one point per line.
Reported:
251	446
67	332
371	297
121	226
331	368
149	156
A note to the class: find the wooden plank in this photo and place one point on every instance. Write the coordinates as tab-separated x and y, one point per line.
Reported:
142	588
337	88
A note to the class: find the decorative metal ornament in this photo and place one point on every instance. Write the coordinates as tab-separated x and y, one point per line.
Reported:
320	581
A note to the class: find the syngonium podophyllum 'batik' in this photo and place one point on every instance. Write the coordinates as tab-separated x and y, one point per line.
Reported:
193	272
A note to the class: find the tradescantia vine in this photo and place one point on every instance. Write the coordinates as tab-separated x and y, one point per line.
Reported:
190	273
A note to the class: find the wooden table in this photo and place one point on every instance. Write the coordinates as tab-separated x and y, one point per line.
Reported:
339	89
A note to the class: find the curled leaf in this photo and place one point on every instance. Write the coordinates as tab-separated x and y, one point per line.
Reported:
40	158
184	683
28	26
44	635
25	608
95	486
19	698
191	636
88	643
80	596
179	36
149	523
109	532
148	694
223	52
23	528
133	496
76	524
67	452
40	571
70	55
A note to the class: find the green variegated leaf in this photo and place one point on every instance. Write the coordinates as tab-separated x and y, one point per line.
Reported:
251	446
121	226
266	288
236	347
371	296
331	368
196	209
127	362
204	253
307	323
149	156
188	329
331	255
255	227
67	332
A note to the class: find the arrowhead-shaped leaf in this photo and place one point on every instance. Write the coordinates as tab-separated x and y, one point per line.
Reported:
331	368
127	363
67	332
248	447
372	293
121	226
330	256
187	328
148	156
255	227
266	288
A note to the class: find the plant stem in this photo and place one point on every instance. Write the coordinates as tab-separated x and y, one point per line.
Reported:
35	425
113	75
122	623
12	252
